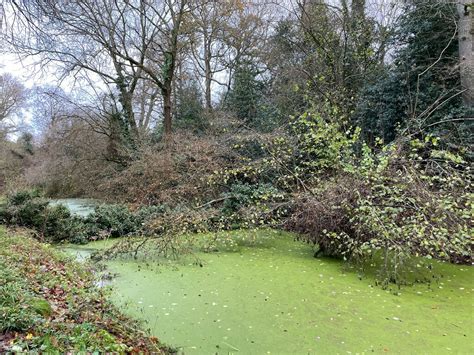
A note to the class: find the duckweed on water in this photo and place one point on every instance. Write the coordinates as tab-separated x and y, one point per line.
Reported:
275	297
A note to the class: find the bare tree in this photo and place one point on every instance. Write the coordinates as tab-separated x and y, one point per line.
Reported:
121	42
210	20
12	99
247	34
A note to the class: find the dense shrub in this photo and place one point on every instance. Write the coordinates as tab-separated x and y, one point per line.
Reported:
56	223
170	175
317	144
319	216
72	160
24	208
116	219
244	195
119	220
248	146
419	202
407	200
146	213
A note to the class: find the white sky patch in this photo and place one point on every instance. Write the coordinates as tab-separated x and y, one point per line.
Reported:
24	71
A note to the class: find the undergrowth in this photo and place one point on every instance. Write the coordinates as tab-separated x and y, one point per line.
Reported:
50	304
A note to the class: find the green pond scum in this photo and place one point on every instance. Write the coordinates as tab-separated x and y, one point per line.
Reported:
263	293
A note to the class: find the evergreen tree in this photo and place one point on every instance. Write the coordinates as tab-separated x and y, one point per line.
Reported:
246	93
422	84
190	113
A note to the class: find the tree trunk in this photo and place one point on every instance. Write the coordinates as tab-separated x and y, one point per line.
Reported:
127	105
167	111
208	76
466	64
126	100
208	93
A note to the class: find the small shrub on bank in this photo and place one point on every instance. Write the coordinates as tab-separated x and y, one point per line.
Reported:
24	208
28	209
118	220
146	213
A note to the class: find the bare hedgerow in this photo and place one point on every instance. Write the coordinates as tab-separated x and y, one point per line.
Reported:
171	174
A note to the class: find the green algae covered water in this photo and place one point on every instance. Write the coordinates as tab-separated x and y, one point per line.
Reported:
274	297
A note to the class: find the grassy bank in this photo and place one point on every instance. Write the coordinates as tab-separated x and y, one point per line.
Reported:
50	303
